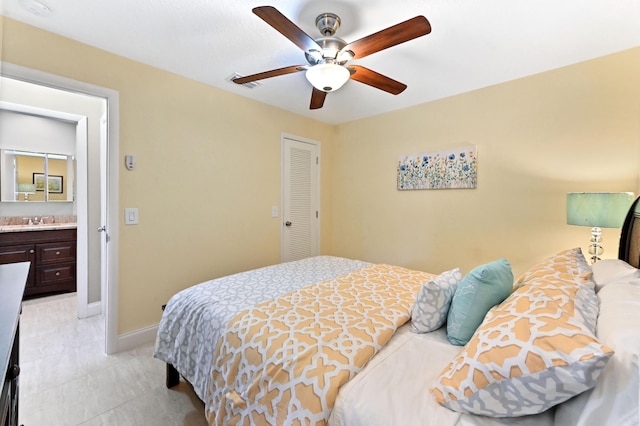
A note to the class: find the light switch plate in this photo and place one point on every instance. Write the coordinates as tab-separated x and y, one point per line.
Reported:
131	216
274	211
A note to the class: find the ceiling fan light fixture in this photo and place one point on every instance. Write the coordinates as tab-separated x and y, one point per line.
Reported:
327	77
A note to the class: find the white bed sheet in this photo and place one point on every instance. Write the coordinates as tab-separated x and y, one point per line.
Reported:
393	389
195	318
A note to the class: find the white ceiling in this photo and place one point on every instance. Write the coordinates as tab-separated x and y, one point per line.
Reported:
473	43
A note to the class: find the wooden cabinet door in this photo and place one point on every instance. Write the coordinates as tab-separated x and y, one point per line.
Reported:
20	253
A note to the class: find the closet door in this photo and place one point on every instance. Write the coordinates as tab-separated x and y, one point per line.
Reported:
300	192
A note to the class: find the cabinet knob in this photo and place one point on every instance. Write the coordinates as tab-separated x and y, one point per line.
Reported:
32	251
14	372
57	253
58	274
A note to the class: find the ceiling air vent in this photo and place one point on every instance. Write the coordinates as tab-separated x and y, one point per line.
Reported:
249	85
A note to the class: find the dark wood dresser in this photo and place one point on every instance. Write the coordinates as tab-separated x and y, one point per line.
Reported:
13	278
52	253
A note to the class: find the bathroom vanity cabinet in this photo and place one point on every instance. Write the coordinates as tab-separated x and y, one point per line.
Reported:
52	253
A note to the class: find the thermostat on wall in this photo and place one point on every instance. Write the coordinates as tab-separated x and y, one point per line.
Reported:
130	162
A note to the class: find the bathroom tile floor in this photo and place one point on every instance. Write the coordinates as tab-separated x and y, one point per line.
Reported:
66	379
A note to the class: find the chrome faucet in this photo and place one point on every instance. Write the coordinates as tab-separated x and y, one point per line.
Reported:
35	221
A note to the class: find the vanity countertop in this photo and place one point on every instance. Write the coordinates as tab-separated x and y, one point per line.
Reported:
43	227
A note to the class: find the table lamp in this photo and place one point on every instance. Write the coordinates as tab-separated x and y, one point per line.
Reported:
26	189
597	210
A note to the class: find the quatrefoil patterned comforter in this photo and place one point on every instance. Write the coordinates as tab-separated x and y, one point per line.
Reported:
283	361
194	319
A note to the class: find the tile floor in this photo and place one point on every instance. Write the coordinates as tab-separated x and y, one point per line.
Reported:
67	380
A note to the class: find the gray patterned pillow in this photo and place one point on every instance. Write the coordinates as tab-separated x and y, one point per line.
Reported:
432	304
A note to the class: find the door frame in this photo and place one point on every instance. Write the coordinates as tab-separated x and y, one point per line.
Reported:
316	143
110	288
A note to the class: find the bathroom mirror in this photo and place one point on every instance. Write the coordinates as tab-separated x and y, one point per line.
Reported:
27	176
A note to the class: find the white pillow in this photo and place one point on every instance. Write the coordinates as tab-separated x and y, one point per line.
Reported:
431	308
613	270
615	399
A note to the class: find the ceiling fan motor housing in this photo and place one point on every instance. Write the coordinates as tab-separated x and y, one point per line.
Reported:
331	46
328	23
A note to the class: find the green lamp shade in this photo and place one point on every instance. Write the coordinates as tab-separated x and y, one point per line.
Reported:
28	188
598	209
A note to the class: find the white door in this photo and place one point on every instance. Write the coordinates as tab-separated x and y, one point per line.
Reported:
300	203
104	213
82	214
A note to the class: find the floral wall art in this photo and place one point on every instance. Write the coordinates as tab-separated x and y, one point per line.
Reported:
455	168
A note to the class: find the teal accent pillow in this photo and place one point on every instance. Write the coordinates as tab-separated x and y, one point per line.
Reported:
480	290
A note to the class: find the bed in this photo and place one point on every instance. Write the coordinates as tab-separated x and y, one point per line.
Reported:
257	351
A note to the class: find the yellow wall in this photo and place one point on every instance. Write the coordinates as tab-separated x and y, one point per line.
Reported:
1	35
27	166
572	129
208	171
58	168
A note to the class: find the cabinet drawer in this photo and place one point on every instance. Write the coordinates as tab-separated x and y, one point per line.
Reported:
56	253
48	275
13	254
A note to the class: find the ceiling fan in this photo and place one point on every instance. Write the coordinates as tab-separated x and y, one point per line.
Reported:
328	55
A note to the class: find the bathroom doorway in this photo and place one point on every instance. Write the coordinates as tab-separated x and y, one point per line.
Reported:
95	294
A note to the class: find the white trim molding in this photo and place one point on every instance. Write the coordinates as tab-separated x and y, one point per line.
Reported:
17	72
136	338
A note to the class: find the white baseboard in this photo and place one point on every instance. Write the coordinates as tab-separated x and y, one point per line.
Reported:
89	310
136	338
94	309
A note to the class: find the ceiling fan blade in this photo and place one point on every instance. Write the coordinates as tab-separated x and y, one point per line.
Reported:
399	33
269	74
317	99
377	80
284	26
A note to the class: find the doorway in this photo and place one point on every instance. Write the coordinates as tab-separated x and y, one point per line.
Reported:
300	231
63	145
107	293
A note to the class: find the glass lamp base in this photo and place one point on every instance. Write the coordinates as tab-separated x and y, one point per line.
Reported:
595	248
